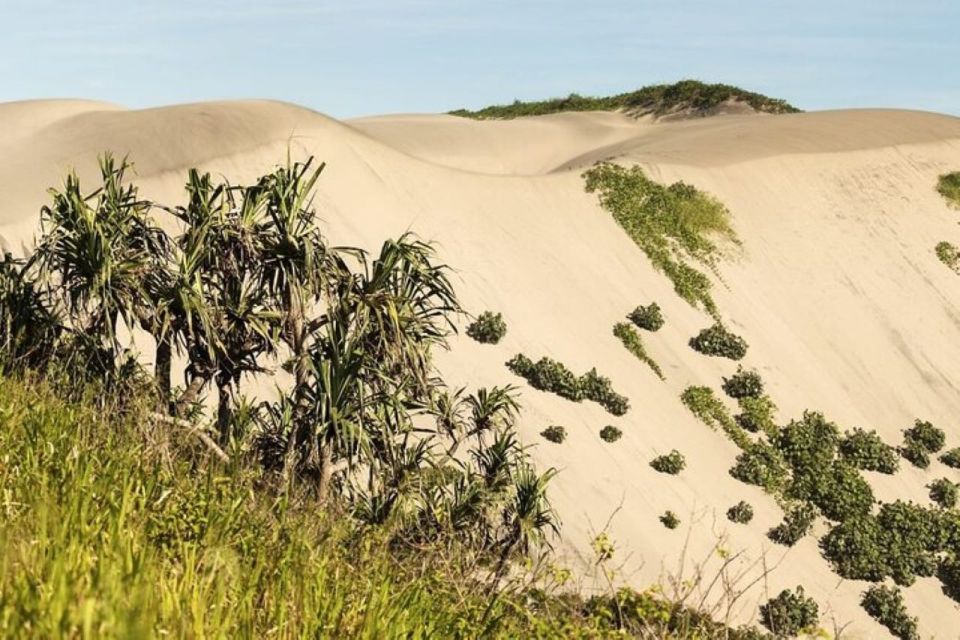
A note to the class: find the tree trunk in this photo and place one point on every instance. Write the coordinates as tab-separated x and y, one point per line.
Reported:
224	412
326	472
162	367
190	395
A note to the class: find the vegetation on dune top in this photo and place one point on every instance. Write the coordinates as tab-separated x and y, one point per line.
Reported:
686	96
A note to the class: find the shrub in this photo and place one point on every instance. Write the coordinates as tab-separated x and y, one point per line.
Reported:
648	317
949	575
547	375
599	389
944	492
790	613
856	549
885	605
632	341
488	328
797	522
711	410
951	458
741	513
610	434
837	490
670	520
743	384
756	415
948	185
760	465
865	450
809	443
948	254
719	341
555	434
672	463
916	454
927	436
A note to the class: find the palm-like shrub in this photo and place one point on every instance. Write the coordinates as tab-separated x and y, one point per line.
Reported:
670	520
610	433
488	328
671	463
719	341
745	383
555	434
944	492
885	605
29	324
865	450
649	317
790	613
741	513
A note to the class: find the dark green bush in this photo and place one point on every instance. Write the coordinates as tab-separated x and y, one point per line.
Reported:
838	490
865	450
761	465
670	520
951	458
797	522
610	433
809	443
916	454
745	383
555	434
741	513
488	328
756	415
944	492
925	435
672	463
550	375
856	549
648	317
719	341
599	389
790	613
885	605
949	575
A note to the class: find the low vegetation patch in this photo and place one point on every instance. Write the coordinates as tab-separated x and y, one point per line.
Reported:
951	458
756	415
797	522
671	463
648	318
948	254
610	433
634	344
710	409
745	383
670	520
720	342
865	450
790	613
919	441
555	434
550	375
488	328
948	185
741	513
944	492
885	605
761	465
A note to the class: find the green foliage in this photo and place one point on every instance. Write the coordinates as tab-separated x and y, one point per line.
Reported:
649	317
951	458
488	328
550	375
692	96
790	613
809	443
555	434
797	522
838	490
741	513
670	520
610	433
915	453
865	450
948	254
600	390
705	405
919	441
948	185
756	415
719	341
672	463
634	344
885	605
761	465
674	225
944	492
743	384
949	575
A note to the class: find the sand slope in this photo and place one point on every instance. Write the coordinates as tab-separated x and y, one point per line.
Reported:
836	289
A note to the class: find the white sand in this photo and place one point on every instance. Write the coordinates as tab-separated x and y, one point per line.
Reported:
837	290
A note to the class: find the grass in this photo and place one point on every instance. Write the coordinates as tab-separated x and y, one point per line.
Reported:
687	95
634	343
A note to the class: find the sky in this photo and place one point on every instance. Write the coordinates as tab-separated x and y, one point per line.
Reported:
363	57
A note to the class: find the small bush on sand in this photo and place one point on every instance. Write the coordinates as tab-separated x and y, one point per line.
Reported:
761	465
926	435
948	185
672	463
550	375
790	613
865	450
719	341
885	605
648	317
710	409
610	433
741	513
756	415
555	434
949	575
670	520
951	458
944	492
948	254
488	328
797	522
634	344
745	383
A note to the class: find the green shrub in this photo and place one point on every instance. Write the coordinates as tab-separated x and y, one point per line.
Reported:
672	463
925	435
790	613
915	454
865	450
610	433
710	409
885	605
948	185
949	575
648	317
555	434
951	458
741	513
809	443
634	344
743	384
756	415
719	341
944	492
797	522
856	549
838	490
948	254
599	389
488	328
670	520
761	465
550	375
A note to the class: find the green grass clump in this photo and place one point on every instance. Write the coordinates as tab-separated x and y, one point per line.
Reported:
797	522
948	185
555	434
944	492
671	463
951	458
720	342
919	441
488	328
692	96
756	415
670	520
610	433
865	450
741	513
948	254
634	344
675	225
885	605
790	613
648	318
550	375
705	405
745	383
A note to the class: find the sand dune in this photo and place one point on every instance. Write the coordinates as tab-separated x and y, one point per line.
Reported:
836	288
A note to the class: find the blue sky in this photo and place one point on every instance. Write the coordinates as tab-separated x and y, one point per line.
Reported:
362	57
